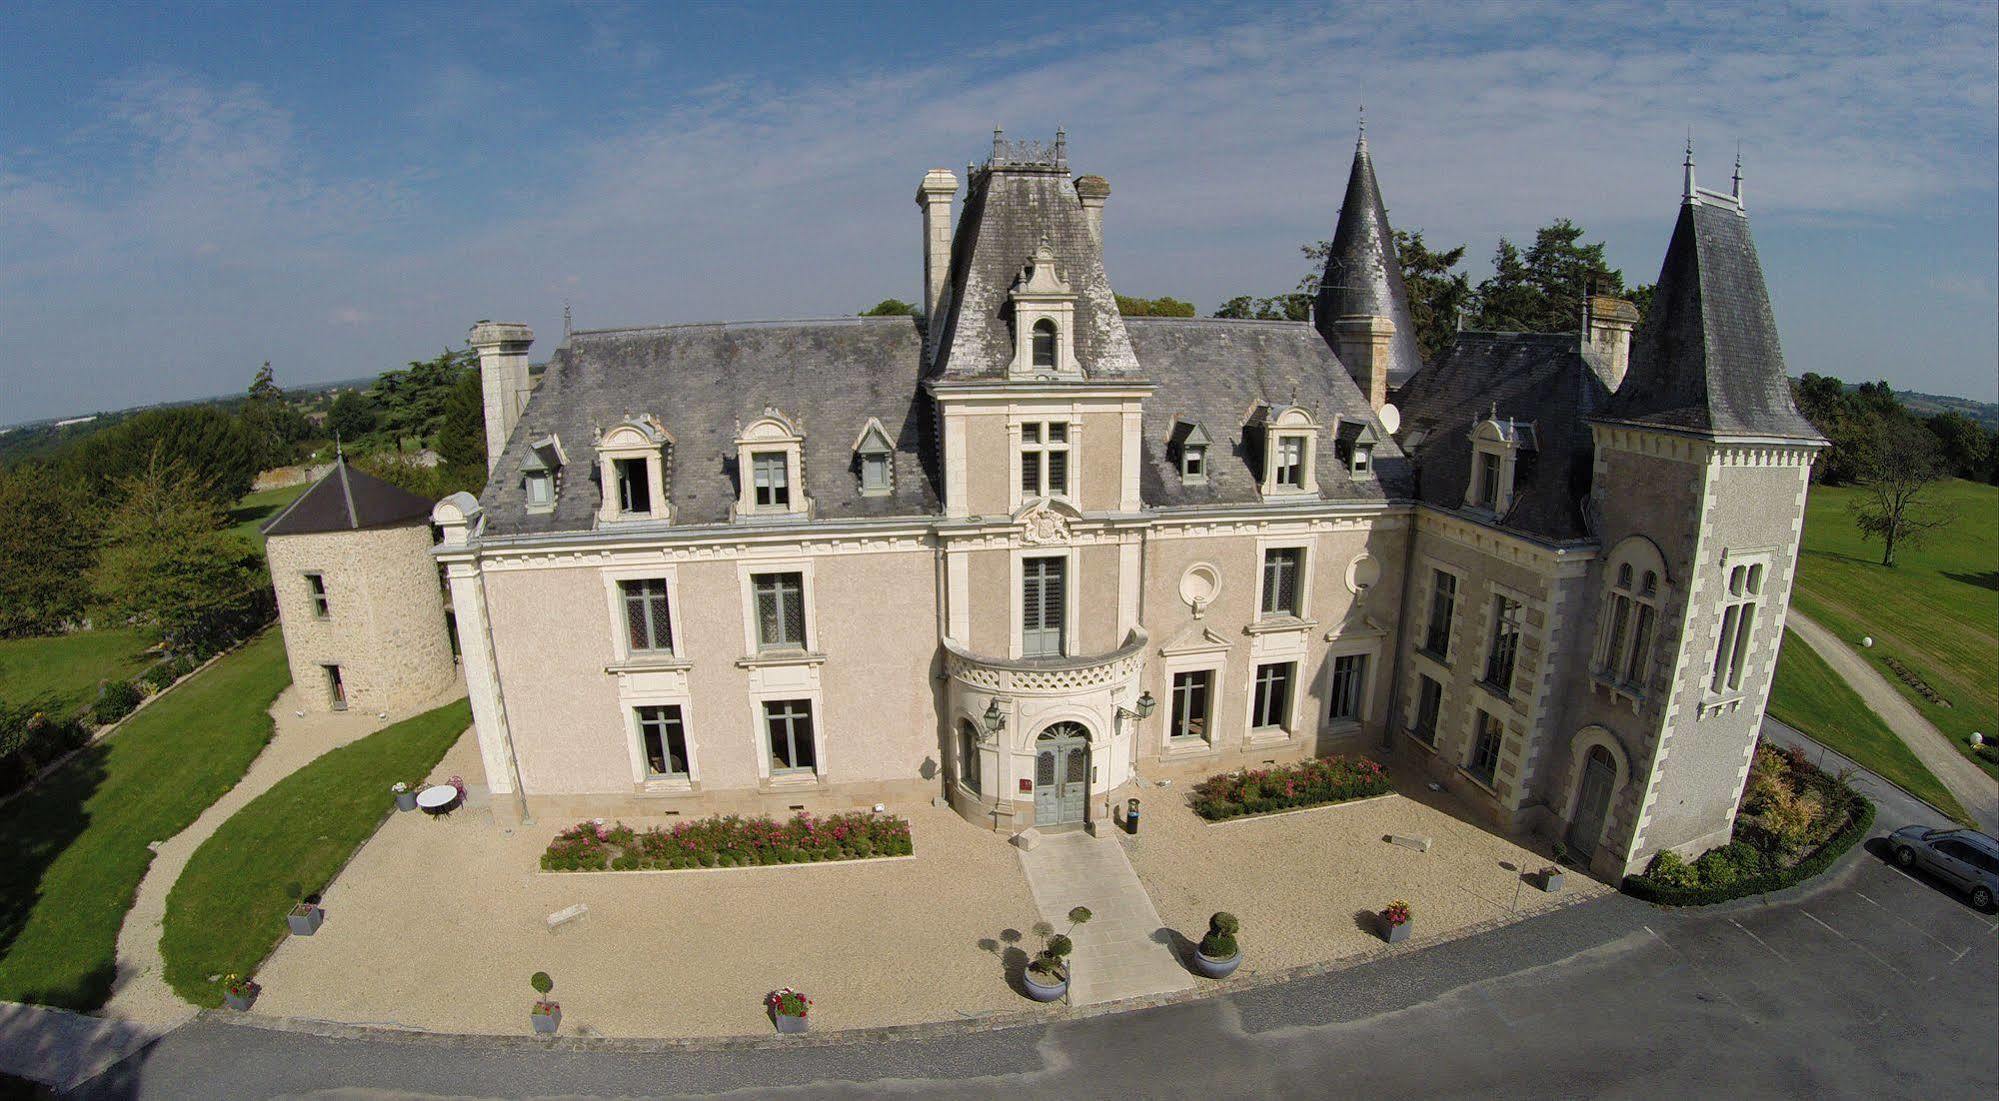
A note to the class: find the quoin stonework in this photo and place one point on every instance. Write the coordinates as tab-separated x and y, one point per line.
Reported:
1024	554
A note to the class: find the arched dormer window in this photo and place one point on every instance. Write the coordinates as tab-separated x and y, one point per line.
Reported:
1635	578
770	468
1497	446
632	461
1044	344
1044	313
1289	439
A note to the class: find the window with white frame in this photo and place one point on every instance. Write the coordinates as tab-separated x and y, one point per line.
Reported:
648	628
315	585
1291	461
1629	617
1283	572
1288	435
788	723
771	474
1193	705
662	741
780	601
1044	339
539	485
1043	606
1487	493
1429	705
1044	459
631	467
1738	622
1270	696
770	469
968	755
634	486
1505	647
1443	599
1484	764
1346	702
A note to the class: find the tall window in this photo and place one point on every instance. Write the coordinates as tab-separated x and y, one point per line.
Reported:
1627	644
316	585
1193	695
1291	461
646	623
1485	749
1505	644
773	479
1349	685
1738	623
1429	702
968	756
780	611
789	723
1044	459
1443	594
662	740
1282	567
1270	698
336	689
1488	480
1042	607
634	485
1044	343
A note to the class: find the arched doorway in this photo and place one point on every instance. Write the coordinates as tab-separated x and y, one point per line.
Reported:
1592	800
1061	774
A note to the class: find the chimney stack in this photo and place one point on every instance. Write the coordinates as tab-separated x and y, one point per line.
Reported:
1607	326
1364	343
503	376
1093	190
934	196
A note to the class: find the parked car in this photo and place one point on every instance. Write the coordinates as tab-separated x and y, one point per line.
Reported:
1966	859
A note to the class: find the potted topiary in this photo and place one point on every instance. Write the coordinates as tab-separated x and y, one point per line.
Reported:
405	795
1218	954
1047	977
238	992
546	1016
1397	919
306	914
788	1009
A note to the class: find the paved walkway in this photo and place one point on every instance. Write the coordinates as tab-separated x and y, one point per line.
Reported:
60	1049
1125	950
1972	786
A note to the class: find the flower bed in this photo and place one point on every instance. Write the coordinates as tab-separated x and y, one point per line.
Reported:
729	841
1794	822
1313	782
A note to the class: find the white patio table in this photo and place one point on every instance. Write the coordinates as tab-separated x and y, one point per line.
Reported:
436	799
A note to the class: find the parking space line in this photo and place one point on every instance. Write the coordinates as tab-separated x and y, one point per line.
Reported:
1759	940
1699	970
1876	956
1905	921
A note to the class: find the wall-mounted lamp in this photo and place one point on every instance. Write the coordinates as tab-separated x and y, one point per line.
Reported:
1143	708
995	719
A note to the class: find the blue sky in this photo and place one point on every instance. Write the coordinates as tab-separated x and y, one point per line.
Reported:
187	191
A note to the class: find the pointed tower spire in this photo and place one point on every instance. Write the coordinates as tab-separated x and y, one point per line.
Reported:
1687	192
1362	308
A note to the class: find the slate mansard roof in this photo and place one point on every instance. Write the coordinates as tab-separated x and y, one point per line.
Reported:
348	500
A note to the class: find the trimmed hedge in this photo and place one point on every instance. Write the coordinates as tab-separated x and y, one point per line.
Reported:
727	841
1858	822
1313	782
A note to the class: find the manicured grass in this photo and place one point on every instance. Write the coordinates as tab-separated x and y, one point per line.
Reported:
227	911
256	509
69	667
1937	611
1810	696
77	842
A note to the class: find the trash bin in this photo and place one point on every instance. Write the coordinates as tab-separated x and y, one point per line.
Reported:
1131	816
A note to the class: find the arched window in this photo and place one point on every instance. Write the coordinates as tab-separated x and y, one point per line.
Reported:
1044	343
968	756
1630	615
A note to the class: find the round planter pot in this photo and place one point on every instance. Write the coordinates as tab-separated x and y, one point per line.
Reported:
1043	992
1214	968
406	800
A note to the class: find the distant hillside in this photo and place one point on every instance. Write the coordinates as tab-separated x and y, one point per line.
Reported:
30	438
1927	405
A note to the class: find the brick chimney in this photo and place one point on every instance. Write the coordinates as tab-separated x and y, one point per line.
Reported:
503	376
1607	326
1364	342
934	196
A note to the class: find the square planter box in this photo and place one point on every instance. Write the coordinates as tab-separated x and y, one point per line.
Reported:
305	920
241	1002
1396	934
788	1024
546	1023
1551	881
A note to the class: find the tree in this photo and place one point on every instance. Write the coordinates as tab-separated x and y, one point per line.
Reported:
352	416
423	479
1900	465
890	307
1165	306
1282	307
207	444
1966	445
411	401
169	562
1436	292
270	423
461	432
1542	290
48	544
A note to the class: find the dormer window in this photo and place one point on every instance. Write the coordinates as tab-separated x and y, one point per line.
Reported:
1188	448
1500	447
1291	461
1488	480
773	479
632	461
1044	344
876	458
1044	312
770	458
1194	463
540	487
538	473
1355	440
1289	455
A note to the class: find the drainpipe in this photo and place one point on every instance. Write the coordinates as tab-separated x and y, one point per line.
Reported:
1402	625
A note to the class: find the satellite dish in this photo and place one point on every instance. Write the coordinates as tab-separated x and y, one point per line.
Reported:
1391	418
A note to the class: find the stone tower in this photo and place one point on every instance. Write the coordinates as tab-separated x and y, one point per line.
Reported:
1363	308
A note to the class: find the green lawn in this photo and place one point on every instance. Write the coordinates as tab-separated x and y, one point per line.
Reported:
1810	696
226	913
256	509
1937	612
77	842
69	667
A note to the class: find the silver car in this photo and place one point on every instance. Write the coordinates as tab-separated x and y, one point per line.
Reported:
1966	859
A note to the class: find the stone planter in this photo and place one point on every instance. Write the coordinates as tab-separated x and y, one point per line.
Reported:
789	1024
1396	934
1214	968
305	919
1042	991
545	1024
406	800
240	1000
1551	880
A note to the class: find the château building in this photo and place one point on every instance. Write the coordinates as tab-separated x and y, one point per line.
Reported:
1020	552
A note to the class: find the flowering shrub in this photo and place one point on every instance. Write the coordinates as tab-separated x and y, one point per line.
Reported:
1397	913
787	1003
238	986
1309	783
729	841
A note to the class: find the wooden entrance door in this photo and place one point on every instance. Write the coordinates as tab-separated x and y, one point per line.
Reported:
1061	775
1593	802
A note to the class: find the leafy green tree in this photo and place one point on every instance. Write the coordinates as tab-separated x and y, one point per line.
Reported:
1164	306
271	424
1966	446
1542	290
213	449
890	307
169	562
1899	466
1436	292
1282	307
48	544
411	401
461	433
352	416
435	481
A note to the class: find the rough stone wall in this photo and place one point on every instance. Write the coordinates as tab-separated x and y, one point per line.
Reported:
385	626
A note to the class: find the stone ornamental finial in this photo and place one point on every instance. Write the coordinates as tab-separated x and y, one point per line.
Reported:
1687	194
1062	147
1361	145
1736	190
999	142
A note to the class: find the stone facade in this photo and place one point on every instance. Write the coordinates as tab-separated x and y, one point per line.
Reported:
383	626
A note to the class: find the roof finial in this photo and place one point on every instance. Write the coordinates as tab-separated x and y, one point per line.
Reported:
1737	189
1687	192
339	453
567	328
1061	146
998	134
1361	145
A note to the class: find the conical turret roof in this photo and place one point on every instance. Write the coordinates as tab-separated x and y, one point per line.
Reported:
1363	274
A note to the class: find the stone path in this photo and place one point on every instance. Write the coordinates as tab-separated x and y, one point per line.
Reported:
140	994
1125	950
1972	786
60	1049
